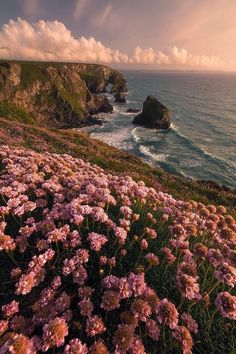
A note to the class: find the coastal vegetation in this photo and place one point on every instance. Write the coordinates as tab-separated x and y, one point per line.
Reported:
94	262
100	252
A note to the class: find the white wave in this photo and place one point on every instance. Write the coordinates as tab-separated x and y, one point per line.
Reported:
190	163
185	174
176	129
123	111
118	109
157	157
117	138
136	137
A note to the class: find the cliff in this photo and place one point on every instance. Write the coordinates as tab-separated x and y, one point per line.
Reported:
56	94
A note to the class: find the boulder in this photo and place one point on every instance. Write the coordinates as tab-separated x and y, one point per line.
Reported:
120	97
154	115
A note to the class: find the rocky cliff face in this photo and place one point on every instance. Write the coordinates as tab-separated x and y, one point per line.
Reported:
55	94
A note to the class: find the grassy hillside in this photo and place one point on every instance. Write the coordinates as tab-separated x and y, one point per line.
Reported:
111	159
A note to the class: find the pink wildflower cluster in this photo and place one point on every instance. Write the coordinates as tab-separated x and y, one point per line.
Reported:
98	263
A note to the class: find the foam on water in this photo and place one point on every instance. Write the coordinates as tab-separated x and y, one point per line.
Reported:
145	150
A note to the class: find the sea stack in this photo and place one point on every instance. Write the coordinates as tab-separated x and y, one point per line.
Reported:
154	115
120	97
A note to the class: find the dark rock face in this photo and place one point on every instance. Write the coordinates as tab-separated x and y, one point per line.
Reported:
132	110
100	105
55	94
120	97
154	115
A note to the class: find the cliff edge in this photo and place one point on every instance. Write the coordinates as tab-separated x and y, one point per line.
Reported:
60	95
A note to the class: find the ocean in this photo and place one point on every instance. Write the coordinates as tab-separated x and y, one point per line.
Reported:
201	142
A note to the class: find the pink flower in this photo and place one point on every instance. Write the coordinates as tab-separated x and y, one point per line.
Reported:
167	313
103	260
151	232
153	330
7	243
16	343
188	286
97	241
54	333
144	244
58	234
215	257
168	254
111	282
56	283
121	235
86	307
94	326
85	292
189	322
3	326
137	346
10	309
80	275
126	211
141	309
75	346
26	283
184	338
110	300
123	338
226	304
226	274
15	273
152	259
137	283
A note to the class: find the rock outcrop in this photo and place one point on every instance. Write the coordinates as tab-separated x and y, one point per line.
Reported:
55	94
120	97
132	110
154	115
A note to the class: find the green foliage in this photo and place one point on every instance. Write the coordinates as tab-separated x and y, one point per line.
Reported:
91	78
73	100
32	72
14	113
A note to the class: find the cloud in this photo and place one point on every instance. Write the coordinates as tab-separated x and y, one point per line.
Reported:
52	41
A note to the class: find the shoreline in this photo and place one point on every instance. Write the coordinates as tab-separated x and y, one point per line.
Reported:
212	184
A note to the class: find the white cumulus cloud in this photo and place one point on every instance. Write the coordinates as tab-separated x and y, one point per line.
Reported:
51	40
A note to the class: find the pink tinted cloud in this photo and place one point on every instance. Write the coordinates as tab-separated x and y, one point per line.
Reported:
51	40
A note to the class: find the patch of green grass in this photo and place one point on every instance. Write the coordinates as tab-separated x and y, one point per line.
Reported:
73	101
91	78
14	113
32	72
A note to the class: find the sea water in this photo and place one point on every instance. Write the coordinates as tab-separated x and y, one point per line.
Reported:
201	142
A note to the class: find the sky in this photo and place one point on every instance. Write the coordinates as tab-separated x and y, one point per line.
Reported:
169	34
